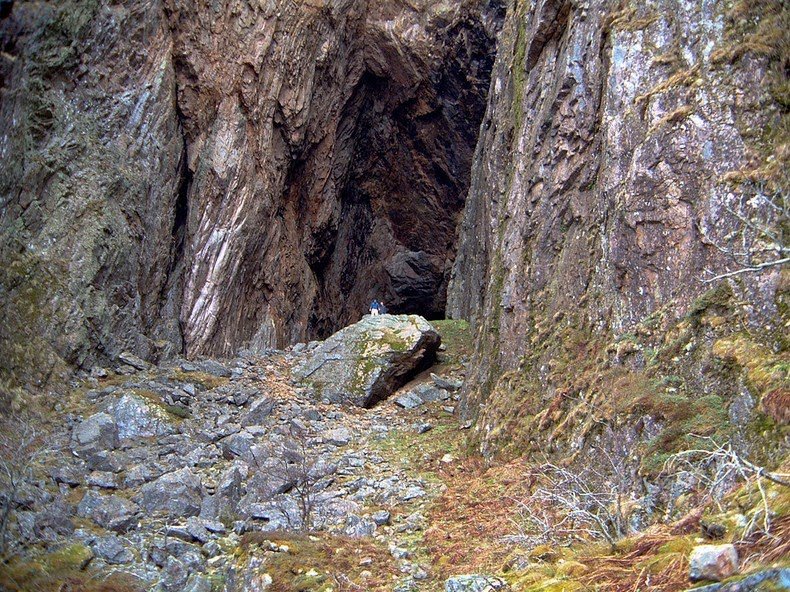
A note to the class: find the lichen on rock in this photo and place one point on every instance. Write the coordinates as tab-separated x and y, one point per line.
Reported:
365	362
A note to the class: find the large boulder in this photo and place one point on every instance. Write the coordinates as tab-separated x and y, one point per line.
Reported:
177	494
136	417
366	362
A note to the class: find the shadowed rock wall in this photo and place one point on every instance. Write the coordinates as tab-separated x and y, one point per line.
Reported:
93	167
330	145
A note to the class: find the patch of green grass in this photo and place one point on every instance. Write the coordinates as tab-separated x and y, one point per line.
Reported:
178	410
456	337
406	445
63	569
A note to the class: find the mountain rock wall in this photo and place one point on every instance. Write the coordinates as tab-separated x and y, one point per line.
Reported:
201	176
93	164
630	152
330	144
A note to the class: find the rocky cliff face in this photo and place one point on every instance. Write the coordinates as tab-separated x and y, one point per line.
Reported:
630	152
330	145
93	159
203	176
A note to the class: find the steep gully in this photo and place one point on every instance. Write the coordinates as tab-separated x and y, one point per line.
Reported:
197	178
359	190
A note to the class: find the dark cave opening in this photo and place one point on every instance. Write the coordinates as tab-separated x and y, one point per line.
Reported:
405	187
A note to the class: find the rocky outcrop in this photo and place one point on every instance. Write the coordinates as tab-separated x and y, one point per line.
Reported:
616	165
96	434
206	176
138	418
366	362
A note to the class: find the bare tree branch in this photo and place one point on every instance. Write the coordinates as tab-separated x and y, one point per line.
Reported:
718	467
758	267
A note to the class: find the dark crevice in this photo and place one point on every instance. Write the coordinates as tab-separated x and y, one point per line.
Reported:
178	233
170	296
405	187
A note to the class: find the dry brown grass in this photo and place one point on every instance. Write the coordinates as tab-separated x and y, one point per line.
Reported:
470	519
677	80
765	549
777	404
651	563
321	562
473	523
477	511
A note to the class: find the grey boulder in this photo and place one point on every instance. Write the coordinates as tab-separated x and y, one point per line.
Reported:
409	400
138	418
450	384
214	368
358	527
367	361
176	494
108	511
259	411
769	579
112	550
96	434
132	360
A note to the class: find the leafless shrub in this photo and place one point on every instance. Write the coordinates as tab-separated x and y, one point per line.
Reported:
567	504
298	463
716	468
758	241
21	446
294	464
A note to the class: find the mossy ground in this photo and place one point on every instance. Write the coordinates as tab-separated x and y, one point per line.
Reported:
67	568
457	339
685	373
320	562
475	527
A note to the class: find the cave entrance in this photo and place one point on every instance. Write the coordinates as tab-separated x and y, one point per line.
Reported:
406	184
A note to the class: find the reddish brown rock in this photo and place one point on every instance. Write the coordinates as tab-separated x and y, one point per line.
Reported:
204	176
603	190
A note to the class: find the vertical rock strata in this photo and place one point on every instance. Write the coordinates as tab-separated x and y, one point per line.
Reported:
330	144
93	160
610	162
201	175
